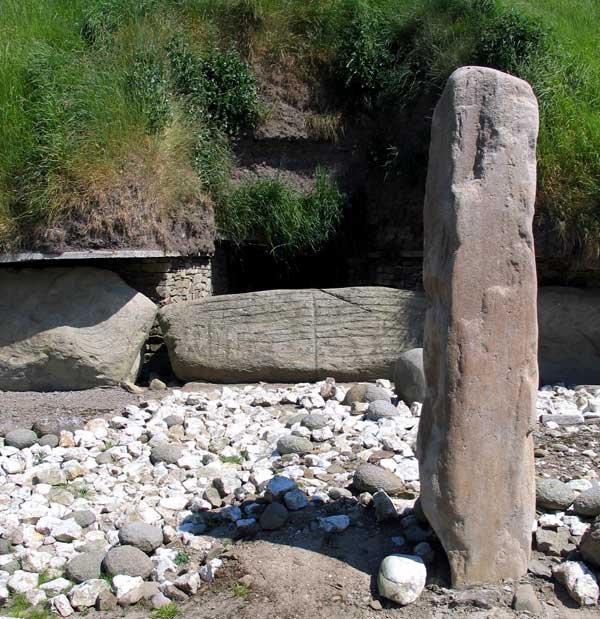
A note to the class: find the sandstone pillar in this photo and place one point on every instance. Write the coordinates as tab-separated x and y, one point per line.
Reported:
480	348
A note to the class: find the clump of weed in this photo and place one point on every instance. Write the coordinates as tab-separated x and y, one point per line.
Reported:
169	611
182	558
282	218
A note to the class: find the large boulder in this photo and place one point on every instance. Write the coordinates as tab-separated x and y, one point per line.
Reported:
293	335
65	329
475	439
409	377
569	323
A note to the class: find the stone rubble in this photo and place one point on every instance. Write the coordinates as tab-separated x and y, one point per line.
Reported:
137	498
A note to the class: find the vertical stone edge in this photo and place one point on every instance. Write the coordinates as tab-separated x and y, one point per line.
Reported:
442	481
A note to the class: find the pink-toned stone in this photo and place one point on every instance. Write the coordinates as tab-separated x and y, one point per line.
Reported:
480	349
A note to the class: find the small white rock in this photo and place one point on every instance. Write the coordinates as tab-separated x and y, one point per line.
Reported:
21	581
56	586
402	578
35	597
334	524
207	572
85	595
129	589
66	531
60	605
579	582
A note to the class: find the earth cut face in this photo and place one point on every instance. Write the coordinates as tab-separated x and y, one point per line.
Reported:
480	345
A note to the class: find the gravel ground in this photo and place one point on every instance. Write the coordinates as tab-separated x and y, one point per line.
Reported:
22	409
302	571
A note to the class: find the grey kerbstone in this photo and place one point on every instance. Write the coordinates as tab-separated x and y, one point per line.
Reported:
384	508
295	500
278	486
371	478
141	535
213	497
587	504
381	409
84	517
365	392
20	438
173	420
49	439
92	322
525	600
56	424
540	567
409	376
127	560
168	453
553	543
314	421
104	458
350	333
85	566
553	494
291	444
106	600
11	567
339	493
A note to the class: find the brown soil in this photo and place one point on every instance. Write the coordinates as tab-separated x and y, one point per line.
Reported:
22	409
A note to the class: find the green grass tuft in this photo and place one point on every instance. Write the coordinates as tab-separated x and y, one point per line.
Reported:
240	590
232	459
18	606
272	214
169	611
182	558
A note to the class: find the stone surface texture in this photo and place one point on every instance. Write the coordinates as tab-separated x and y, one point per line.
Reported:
401	578
290	335
475	436
569	320
69	328
409	377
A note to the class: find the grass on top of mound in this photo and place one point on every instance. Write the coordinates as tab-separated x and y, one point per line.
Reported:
120	114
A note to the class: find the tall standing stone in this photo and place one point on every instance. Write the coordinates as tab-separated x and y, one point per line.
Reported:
475	440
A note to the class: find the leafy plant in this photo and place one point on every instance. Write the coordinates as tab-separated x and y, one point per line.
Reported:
283	219
510	40
218	86
240	590
149	89
182	558
232	459
169	611
107	578
364	56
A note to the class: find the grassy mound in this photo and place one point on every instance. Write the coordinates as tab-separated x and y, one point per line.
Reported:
119	115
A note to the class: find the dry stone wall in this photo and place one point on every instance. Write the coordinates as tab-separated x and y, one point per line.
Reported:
168	280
